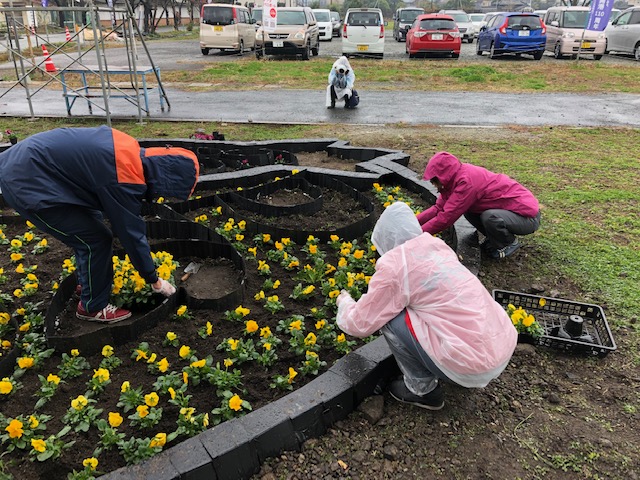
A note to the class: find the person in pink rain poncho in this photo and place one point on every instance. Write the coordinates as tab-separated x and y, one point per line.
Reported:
440	322
498	206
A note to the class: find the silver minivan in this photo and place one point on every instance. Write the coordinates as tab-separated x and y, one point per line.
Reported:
226	27
623	35
566	34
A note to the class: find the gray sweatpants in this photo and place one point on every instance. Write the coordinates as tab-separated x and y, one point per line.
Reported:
501	226
420	373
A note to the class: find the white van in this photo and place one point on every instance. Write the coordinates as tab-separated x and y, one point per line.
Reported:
226	27
566	34
363	32
325	25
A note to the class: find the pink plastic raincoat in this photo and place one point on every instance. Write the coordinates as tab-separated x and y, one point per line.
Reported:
464	331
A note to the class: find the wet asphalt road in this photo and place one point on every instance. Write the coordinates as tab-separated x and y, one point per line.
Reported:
376	108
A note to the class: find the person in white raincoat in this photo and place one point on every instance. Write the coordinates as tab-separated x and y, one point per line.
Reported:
440	322
341	80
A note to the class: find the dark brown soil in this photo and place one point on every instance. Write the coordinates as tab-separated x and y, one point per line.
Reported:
200	285
284	197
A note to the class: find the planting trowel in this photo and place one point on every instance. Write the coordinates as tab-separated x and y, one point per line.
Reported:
192	268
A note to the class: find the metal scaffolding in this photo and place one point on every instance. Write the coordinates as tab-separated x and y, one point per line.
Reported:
123	25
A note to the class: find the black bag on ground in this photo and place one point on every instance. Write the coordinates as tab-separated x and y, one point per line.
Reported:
354	99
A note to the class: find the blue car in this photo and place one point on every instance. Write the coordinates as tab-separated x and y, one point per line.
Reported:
513	32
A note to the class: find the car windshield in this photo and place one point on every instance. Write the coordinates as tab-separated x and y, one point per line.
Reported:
524	22
437	24
218	15
460	17
408	16
322	16
476	17
574	19
291	18
364	19
256	14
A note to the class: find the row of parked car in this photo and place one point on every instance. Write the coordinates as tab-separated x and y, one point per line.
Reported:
300	29
559	30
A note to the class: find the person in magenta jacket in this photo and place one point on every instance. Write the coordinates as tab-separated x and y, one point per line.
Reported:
438	319
496	205
66	180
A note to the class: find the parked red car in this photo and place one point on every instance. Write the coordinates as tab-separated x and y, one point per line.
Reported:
433	33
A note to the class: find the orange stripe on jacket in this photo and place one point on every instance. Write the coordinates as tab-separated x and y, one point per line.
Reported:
128	163
160	151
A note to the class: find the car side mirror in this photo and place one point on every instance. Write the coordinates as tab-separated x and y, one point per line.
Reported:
483	28
554	23
259	23
386	23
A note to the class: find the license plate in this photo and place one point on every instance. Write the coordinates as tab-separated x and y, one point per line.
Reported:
523	33
586	44
217	28
437	36
278	44
363	48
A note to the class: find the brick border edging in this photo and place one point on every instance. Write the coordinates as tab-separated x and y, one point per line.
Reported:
237	448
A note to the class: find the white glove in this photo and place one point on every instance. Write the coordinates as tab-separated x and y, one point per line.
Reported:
165	289
343	295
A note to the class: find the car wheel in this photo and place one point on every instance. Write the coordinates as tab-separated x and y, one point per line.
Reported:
205	51
316	51
258	53
636	52
492	50
241	49
597	57
538	55
395	37
455	55
556	51
606	46
306	53
478	51
470	40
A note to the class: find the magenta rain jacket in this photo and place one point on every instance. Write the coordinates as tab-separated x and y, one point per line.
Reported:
473	189
466	333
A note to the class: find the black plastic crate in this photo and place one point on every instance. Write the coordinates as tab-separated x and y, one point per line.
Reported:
554	315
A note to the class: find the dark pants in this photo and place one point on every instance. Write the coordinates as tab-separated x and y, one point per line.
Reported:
334	97
420	373
92	242
501	226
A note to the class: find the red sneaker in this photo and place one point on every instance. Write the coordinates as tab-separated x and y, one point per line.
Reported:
109	314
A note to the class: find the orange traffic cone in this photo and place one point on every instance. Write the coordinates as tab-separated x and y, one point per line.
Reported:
67	34
48	63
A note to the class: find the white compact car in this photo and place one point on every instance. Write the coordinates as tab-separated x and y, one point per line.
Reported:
363	32
464	23
325	25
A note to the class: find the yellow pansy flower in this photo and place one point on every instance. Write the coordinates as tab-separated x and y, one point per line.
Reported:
292	374
15	429
151	399
55	379
143	410
125	386
184	351
115	419
163	365
251	326
159	440
235	403
6	387
25	362
38	445
79	402
199	363
91	463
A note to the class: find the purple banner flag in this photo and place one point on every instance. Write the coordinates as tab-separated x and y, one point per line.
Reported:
599	14
45	3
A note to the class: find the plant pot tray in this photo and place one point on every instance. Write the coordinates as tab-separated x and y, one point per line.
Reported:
554	315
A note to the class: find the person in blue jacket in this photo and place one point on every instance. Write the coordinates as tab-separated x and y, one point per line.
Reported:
66	180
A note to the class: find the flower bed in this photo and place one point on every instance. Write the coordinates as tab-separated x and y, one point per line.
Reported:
193	367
